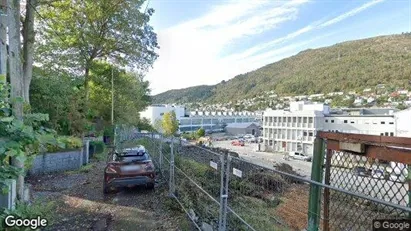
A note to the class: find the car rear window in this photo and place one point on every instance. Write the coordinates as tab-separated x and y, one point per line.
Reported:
132	156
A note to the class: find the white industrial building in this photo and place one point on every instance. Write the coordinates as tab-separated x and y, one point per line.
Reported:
192	121
295	129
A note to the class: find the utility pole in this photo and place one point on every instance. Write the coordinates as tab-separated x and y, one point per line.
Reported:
112	96
112	106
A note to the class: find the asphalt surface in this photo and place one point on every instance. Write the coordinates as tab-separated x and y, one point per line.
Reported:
266	159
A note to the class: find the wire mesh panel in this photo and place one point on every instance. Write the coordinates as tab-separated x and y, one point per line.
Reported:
380	179
198	183
261	199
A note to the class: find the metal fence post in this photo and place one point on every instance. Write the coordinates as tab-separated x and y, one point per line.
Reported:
315	190
225	173
171	182
160	161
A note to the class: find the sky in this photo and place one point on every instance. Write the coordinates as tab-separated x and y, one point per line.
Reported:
208	41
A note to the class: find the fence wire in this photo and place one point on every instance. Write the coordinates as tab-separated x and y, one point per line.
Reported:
383	180
355	189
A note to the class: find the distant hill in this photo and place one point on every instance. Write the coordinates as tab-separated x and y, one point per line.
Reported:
346	66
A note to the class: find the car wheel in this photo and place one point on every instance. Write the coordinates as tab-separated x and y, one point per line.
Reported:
150	186
106	189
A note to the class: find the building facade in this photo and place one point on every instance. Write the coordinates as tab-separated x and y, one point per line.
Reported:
295	129
192	121
243	129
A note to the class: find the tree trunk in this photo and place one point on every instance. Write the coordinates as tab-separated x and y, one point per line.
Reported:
28	48
16	79
3	39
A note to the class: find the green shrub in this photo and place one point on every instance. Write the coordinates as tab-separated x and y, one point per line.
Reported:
30	211
98	146
65	143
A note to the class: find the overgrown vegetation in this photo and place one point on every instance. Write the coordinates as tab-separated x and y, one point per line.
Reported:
255	197
30	211
346	66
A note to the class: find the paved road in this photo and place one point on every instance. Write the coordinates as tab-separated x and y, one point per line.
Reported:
265	159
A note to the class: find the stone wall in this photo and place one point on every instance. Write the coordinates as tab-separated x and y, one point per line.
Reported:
56	162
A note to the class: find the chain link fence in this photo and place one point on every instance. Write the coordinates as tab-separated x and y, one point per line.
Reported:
385	181
221	191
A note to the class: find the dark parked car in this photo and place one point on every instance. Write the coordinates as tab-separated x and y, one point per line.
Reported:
127	168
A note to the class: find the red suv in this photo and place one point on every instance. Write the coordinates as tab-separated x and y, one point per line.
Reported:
130	167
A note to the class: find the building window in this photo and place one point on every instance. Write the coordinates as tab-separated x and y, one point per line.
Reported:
310	134
352	121
391	133
305	120
382	134
386	134
345	121
294	119
391	122
332	121
304	133
326	121
374	122
382	122
289	119
310	120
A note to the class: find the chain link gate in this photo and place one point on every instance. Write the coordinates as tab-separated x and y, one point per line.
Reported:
371	178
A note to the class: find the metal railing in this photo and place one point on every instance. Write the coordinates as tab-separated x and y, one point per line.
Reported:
218	188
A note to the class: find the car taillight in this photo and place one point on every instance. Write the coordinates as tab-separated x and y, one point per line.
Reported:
110	169
149	166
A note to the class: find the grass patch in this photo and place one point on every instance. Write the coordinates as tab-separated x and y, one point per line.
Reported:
84	169
30	211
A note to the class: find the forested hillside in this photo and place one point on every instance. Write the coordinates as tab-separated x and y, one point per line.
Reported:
346	66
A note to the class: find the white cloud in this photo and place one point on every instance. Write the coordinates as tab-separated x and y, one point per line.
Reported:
350	13
313	26
190	52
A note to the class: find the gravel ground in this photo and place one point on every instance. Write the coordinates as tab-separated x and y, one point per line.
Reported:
81	204
265	159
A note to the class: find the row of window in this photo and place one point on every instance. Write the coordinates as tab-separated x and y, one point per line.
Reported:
288	119
360	121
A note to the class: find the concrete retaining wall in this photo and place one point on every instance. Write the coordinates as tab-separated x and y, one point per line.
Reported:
55	162
60	161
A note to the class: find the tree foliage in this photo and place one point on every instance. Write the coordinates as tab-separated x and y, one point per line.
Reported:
200	132
82	31
346	66
62	98
131	94
169	123
18	139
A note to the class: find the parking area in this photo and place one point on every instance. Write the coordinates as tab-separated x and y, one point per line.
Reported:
266	159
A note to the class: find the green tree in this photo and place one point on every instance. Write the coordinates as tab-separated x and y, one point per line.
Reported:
200	132
169	123
79	32
60	96
131	95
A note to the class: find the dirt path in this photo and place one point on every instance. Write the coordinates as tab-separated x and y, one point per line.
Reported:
81	204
